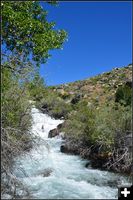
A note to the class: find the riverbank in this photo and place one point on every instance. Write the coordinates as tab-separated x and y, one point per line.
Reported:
97	160
96	156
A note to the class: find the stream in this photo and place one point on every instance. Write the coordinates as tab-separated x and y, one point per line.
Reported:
66	177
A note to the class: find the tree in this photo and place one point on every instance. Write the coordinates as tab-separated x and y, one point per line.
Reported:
26	31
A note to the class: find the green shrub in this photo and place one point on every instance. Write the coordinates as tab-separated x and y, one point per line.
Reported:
123	95
73	126
15	104
79	121
61	109
49	99
122	75
55	104
98	126
108	122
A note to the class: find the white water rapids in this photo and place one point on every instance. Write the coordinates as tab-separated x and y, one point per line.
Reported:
69	178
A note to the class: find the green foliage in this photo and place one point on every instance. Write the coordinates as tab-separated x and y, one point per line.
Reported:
25	30
81	105
15	103
122	76
95	79
98	126
80	123
123	95
51	87
61	109
50	99
108	122
36	88
6	79
55	104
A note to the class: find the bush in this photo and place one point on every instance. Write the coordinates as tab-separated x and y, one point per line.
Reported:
98	126
16	122
55	105
80	120
123	95
49	100
108	122
61	109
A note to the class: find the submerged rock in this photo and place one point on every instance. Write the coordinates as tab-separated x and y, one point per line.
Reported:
88	165
63	149
46	172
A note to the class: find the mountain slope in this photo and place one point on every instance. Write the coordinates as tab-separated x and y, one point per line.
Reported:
97	113
98	89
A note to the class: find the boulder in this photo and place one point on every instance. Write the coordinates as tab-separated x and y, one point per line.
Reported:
70	148
59	126
52	133
64	149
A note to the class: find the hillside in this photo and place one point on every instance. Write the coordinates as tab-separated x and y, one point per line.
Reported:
97	114
98	89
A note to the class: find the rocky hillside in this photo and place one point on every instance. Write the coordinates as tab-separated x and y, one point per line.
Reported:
98	89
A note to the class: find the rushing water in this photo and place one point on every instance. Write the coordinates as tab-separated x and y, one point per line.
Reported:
69	177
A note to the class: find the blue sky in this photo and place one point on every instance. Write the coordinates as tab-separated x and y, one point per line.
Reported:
99	39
